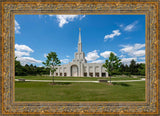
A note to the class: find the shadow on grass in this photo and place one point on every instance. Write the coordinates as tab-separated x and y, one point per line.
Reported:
22	81
121	84
60	83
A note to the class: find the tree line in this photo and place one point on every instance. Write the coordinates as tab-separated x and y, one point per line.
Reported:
29	69
132	69
113	66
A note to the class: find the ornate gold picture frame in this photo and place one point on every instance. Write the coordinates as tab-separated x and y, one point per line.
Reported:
10	8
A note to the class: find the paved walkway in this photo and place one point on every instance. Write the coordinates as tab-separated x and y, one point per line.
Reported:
80	81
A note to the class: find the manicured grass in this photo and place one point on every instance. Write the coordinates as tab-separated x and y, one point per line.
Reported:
75	78
43	91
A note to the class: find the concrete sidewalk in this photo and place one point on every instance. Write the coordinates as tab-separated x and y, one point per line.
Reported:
80	81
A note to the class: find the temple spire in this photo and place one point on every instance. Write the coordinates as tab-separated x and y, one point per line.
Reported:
79	42
79	35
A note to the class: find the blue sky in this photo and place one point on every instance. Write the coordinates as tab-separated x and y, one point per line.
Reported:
37	35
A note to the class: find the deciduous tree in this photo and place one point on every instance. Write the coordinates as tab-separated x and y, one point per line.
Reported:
51	62
112	64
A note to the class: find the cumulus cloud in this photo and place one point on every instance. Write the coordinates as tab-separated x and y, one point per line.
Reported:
106	54
91	56
133	50
142	58
139	53
65	19
21	51
26	60
64	61
98	61
112	35
131	26
141	62
17	27
127	60
67	56
122	56
23	48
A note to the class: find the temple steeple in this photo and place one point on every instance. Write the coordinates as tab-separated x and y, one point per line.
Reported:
79	42
79	56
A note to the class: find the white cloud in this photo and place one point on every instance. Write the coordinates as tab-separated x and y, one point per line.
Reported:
139	46
26	60
127	60
112	35
122	56
40	66
67	56
139	53
17	27
21	51
45	55
91	56
23	48
133	50
121	25
51	15
106	54
131	26
98	61
81	17
142	58
141	62
64	61
65	19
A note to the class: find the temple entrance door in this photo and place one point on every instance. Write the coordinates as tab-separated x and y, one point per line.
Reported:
74	71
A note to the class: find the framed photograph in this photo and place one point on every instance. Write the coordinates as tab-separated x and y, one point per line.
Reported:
90	57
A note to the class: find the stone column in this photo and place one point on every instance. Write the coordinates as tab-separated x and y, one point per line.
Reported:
82	70
100	71
87	71
50	73
68	70
63	71
106	74
58	71
93	71
54	74
79	70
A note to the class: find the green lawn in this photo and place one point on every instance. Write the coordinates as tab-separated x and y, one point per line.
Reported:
43	91
75	78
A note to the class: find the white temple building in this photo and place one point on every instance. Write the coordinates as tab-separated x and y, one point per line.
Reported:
79	66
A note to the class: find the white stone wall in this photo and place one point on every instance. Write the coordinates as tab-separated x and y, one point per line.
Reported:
94	69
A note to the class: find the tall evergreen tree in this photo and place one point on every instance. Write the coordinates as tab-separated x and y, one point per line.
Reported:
133	67
141	69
